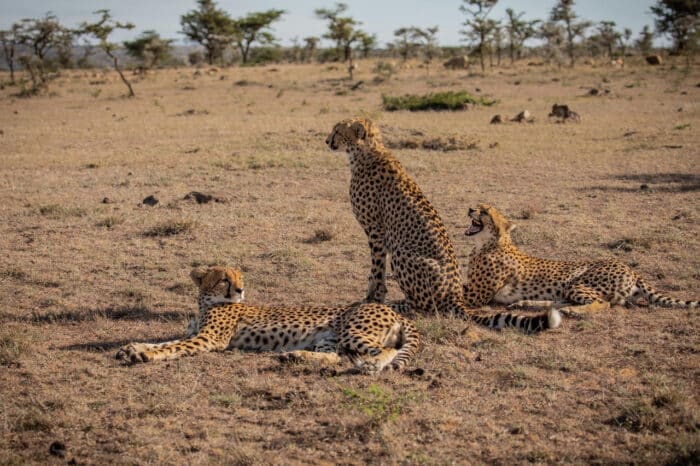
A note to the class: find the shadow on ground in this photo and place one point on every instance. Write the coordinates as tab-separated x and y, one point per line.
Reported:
659	182
135	313
104	346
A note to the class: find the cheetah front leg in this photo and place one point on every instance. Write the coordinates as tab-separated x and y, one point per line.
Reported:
376	291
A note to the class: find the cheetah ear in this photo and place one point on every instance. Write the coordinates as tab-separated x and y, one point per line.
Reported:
197	275
359	129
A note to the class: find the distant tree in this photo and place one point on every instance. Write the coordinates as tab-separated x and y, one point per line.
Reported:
479	26
149	48
625	41
10	43
336	30
407	41
213	28
41	34
608	36
310	45
678	19
518	31
254	28
429	46
101	30
367	42
554	39
563	12
645	42
497	42
343	30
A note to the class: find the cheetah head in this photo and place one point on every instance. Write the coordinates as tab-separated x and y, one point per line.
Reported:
353	131
488	225
218	284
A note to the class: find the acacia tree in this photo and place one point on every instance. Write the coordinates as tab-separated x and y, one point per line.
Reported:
343	30
608	36
213	28
407	41
10	42
149	48
429	45
310	44
101	30
518	31
553	36
479	26
563	12
497	41
254	28
678	19
645	42
367	42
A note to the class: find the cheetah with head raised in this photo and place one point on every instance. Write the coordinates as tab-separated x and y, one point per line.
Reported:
399	220
499	272
372	335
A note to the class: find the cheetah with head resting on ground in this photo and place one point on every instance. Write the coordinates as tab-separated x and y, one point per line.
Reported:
399	220
499	272
372	335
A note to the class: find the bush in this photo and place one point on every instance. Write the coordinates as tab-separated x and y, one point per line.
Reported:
438	101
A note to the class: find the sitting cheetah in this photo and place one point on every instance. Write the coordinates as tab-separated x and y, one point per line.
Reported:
499	272
398	219
371	335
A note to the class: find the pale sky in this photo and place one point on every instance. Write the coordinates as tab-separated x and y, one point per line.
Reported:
381	17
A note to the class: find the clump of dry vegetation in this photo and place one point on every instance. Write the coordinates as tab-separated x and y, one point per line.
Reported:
170	228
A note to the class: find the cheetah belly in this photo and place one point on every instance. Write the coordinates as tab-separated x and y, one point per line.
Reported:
250	339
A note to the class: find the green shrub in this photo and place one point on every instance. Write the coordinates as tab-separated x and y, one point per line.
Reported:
434	101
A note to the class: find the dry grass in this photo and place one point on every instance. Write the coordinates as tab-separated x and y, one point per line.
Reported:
79	277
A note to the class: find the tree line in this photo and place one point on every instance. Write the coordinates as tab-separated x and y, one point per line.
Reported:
41	46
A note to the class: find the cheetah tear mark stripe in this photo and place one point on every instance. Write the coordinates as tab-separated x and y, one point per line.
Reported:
660	299
528	324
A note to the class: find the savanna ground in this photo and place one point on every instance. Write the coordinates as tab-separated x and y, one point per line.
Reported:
79	277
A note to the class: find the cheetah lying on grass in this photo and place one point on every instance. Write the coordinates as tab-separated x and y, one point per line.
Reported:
372	335
499	272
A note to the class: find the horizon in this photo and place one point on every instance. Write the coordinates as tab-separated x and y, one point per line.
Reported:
299	20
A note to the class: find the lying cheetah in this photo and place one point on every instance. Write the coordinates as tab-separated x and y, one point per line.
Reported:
373	336
499	272
398	219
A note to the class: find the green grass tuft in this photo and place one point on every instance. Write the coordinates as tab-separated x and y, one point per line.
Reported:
434	101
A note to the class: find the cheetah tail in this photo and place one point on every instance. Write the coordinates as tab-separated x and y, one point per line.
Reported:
409	347
659	299
528	324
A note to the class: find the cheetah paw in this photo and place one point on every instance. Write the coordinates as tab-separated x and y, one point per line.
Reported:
133	354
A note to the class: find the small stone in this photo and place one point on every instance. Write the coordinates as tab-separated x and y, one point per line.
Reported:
57	449
644	187
107	200
150	200
497	119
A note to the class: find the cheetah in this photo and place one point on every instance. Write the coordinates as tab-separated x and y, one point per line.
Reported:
399	220
371	335
499	272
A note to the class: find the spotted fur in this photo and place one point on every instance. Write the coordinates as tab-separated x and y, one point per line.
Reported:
371	335
399	220
499	272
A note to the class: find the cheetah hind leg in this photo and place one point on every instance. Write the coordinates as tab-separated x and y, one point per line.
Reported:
535	304
587	300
